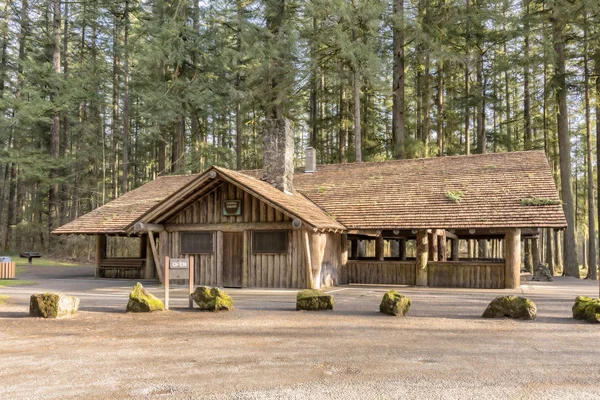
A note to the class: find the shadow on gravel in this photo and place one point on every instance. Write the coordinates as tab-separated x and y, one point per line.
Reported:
13	314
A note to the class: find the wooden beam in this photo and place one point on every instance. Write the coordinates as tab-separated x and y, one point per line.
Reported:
365	232
442	246
512	255
144	227
451	235
155	255
421	259
163	251
232	227
432	240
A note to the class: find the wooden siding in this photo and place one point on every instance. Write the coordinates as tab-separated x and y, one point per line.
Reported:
208	209
381	272
484	275
287	270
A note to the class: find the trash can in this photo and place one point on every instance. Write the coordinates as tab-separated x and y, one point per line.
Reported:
5	259
7	268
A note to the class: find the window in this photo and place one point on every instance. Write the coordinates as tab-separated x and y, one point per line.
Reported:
196	242
270	241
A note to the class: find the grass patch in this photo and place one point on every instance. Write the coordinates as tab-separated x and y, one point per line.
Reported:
322	189
536	201
15	282
43	262
491	166
3	299
455	196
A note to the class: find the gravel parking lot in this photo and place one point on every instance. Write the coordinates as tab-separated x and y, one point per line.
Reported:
265	349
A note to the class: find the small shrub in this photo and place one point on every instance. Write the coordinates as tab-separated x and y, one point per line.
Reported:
455	196
535	201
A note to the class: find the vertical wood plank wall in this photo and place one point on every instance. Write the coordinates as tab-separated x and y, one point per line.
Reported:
286	270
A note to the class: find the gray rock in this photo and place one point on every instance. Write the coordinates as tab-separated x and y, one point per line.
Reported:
512	307
212	299
52	305
393	303
542	274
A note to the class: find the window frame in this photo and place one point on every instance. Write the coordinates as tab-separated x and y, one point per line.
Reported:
212	241
286	232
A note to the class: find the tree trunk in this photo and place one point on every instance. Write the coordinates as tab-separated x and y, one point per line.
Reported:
481	137
398	105
592	267
115	110
55	130
571	267
126	120
357	134
342	134
528	142
440	109
467	86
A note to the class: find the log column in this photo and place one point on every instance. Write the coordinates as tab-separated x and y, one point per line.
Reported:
535	253
100	252
433	245
421	259
379	248
354	249
150	267
442	246
512	259
402	249
454	251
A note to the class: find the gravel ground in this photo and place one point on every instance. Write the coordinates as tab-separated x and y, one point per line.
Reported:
264	349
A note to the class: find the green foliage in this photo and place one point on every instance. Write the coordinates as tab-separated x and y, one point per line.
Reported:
3	299
534	201
455	196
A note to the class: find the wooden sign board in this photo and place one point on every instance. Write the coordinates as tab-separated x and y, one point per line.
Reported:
232	207
179	268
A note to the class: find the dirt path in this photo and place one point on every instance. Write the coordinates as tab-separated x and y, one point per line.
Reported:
264	349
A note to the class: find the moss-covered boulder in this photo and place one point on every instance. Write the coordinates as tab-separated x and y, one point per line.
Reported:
314	300
52	305
394	303
140	300
587	308
212	299
511	306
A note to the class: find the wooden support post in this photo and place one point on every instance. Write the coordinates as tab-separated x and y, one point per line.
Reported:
442	246
421	259
100	252
219	254
402	249
344	260
512	255
535	253
309	279
191	281
143	245
163	251
354	250
433	248
245	259
379	248
454	252
166	282
161	254
151	258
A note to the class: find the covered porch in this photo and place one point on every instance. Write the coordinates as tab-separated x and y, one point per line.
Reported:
487	258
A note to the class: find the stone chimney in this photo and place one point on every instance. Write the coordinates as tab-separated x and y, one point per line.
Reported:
310	162
278	154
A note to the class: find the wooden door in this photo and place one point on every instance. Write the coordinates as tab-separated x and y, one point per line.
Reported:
233	244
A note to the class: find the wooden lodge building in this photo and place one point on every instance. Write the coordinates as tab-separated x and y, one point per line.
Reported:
394	222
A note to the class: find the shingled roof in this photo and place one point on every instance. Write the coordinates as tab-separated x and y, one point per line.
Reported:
411	194
120	214
399	194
